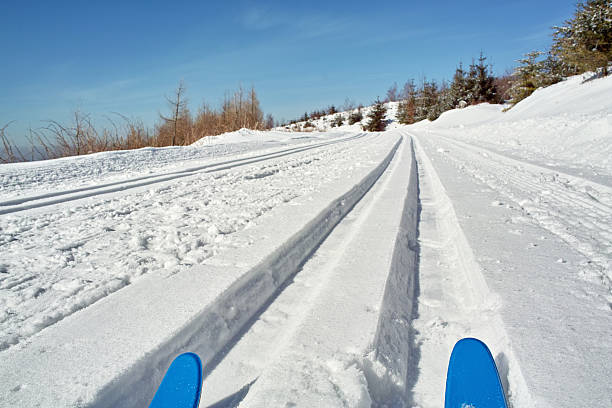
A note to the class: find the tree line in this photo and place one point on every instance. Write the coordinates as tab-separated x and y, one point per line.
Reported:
239	109
583	43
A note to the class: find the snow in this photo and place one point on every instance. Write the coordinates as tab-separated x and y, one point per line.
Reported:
565	127
324	268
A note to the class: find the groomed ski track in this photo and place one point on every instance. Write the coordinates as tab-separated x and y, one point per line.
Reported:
356	302
525	223
134	363
64	196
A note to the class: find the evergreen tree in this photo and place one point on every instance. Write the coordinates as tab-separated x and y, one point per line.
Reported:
585	41
407	106
554	70
445	101
483	84
377	121
470	84
438	100
337	121
355	117
427	98
458	89
527	76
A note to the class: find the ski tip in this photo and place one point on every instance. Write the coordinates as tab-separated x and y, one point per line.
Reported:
473	380
181	387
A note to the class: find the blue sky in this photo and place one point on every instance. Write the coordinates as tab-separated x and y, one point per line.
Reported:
125	56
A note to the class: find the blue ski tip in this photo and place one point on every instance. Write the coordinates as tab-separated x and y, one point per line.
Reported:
472	380
182	384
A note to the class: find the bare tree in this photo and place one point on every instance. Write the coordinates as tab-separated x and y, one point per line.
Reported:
178	106
349	105
12	153
269	123
392	94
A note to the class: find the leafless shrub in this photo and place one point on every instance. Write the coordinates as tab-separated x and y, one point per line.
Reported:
55	139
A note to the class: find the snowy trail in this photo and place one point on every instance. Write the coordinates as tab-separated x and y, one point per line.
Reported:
57	262
200	307
64	196
295	328
19	180
540	242
576	210
328	332
454	300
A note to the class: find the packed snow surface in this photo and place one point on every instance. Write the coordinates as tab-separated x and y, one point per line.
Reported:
331	268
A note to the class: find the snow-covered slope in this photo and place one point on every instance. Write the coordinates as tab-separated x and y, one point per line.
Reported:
567	126
530	191
332	268
326	123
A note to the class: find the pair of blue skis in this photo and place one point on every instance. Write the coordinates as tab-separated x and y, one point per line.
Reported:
472	380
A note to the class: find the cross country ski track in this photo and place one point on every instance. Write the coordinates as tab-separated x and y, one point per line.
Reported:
259	278
64	196
541	240
328	291
577	210
357	301
138	231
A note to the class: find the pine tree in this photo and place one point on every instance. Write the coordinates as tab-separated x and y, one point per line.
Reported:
377	121
484	84
437	100
585	41
407	106
527	77
458	89
355	117
445	101
470	84
427	98
337	121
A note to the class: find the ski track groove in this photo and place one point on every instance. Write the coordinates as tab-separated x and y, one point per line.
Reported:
14	205
254	288
455	300
550	211
278	321
74	252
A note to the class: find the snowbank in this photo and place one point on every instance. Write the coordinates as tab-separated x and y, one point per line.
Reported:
566	126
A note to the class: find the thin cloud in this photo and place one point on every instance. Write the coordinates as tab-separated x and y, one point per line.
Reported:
257	19
303	26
